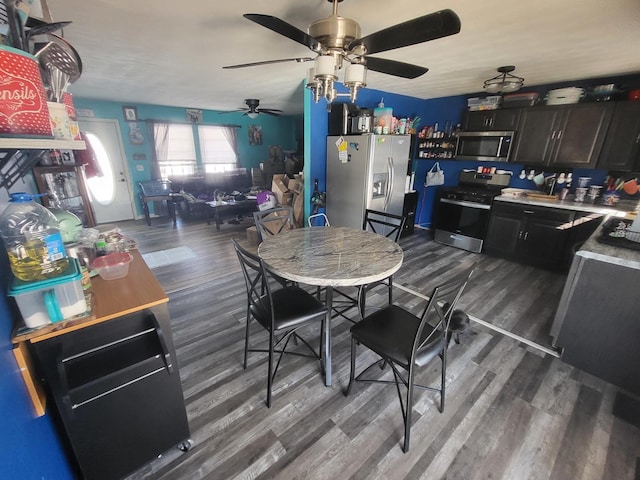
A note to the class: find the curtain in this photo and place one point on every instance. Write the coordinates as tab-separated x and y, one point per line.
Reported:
160	135
231	134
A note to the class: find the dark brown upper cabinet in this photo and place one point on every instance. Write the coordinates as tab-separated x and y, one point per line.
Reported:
621	149
562	135
501	119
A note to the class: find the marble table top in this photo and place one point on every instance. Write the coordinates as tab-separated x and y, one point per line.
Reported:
331	256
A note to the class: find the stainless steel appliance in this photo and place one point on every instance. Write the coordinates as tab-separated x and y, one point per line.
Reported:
484	146
365	171
463	211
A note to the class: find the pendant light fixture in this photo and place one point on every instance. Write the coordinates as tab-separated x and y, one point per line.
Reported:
504	82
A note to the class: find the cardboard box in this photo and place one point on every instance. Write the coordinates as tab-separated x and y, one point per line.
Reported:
252	236
287	199
296	185
298	210
279	188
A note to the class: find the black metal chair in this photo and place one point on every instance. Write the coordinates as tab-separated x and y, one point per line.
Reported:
274	221
405	342
158	191
391	226
280	311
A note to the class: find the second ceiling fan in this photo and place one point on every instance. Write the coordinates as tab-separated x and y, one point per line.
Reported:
336	39
252	110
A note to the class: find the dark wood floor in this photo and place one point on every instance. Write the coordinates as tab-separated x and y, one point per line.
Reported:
512	412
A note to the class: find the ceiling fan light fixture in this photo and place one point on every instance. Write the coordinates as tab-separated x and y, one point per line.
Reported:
355	77
252	114
504	82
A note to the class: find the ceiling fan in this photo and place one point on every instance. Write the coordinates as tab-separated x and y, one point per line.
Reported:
336	39
252	110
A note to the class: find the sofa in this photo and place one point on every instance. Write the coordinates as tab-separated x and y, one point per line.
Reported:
198	189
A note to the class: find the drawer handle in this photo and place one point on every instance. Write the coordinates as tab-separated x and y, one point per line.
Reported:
528	212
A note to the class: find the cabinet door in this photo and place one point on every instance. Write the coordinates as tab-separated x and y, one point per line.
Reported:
501	119
621	149
579	138
544	237
505	230
534	141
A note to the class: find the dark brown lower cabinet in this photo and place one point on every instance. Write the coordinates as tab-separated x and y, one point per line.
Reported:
540	236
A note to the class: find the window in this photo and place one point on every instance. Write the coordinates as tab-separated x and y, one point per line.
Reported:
218	148
175	149
175	146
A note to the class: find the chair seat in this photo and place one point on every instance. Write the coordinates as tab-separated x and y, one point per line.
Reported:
292	306
390	332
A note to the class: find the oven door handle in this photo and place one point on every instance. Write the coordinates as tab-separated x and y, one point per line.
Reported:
480	206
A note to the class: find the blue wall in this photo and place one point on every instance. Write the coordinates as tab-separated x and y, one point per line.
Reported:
442	111
275	131
30	446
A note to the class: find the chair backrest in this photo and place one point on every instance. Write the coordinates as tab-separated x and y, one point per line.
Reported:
384	223
437	314
318	220
255	278
274	221
155	188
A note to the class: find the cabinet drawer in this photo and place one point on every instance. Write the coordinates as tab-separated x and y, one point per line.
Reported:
556	215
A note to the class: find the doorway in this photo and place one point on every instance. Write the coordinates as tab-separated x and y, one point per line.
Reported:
111	196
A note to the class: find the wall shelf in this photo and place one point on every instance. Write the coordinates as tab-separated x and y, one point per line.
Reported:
22	154
41	144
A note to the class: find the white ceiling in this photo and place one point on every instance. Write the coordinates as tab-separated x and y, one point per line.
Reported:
172	53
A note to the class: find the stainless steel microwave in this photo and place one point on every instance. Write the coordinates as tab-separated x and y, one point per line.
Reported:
484	146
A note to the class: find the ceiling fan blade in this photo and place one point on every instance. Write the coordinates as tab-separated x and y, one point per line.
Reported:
275	113
284	28
422	29
268	62
393	67
234	111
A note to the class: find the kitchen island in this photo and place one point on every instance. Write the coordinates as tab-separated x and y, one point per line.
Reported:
596	324
112	375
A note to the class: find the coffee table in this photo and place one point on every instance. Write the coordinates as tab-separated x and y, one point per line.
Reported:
229	208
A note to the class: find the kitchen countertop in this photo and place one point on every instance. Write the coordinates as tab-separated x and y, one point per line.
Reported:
603	252
620	208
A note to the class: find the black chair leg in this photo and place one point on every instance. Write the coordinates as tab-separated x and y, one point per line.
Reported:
390	280
409	407
270	373
246	340
443	379
353	366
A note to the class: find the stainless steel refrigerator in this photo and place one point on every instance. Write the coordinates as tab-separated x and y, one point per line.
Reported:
365	171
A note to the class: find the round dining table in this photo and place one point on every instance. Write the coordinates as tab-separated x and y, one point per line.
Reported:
331	257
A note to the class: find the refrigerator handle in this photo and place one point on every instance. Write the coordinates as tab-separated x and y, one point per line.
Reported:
387	199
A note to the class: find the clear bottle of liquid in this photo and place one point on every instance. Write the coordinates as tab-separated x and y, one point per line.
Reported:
32	238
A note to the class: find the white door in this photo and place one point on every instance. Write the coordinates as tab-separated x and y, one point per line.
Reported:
111	196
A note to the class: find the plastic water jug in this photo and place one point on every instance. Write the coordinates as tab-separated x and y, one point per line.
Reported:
32	238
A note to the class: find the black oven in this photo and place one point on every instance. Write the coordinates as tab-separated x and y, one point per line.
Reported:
462	215
462	224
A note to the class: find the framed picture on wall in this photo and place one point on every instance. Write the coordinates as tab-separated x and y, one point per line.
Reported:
130	114
194	115
255	134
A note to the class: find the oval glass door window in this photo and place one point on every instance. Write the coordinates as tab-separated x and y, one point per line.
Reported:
102	188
